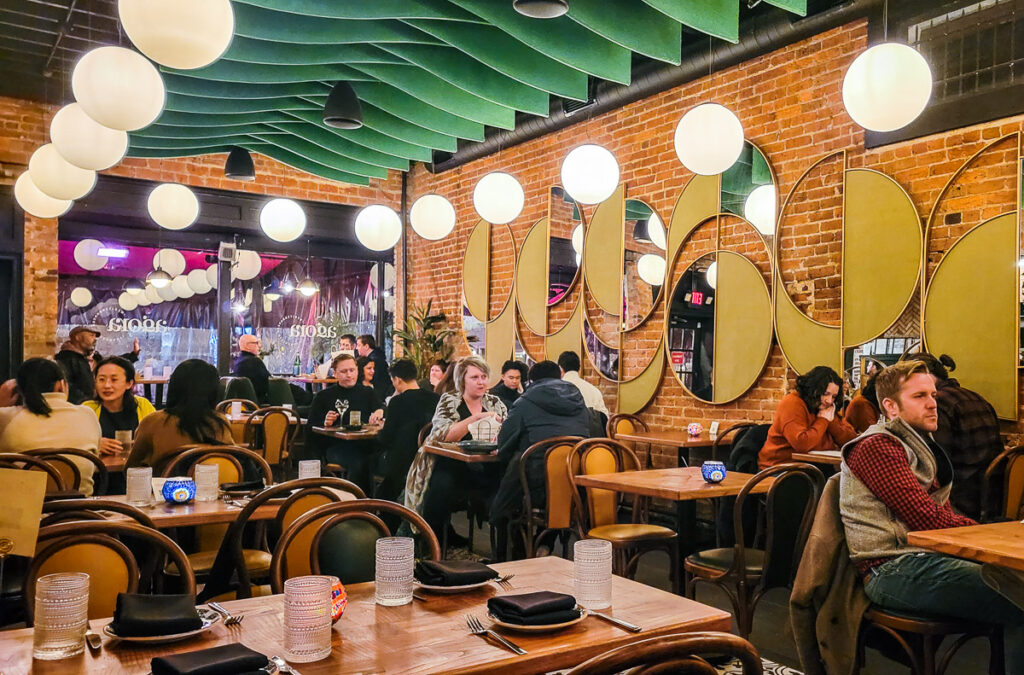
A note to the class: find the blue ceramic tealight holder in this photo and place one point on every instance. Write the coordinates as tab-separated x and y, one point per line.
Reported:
713	472
179	490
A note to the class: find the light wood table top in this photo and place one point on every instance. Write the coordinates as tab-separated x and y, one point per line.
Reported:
681	484
165	515
311	379
114	463
365	434
156	379
833	457
996	543
675	438
420	637
453	452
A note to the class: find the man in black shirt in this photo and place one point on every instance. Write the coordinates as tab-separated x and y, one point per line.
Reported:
77	356
513	375
250	365
367	346
409	410
356	456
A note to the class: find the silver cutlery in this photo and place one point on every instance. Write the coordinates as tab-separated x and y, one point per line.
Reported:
282	666
229	618
631	627
93	640
503	581
477	628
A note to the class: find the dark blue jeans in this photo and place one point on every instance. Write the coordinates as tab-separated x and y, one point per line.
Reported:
940	585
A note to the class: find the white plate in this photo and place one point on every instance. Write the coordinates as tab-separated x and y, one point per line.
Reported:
546	628
453	589
208	617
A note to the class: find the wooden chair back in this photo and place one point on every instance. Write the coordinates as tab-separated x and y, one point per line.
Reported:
62	510
421	437
1004	483
276	432
676	654
230	458
55	481
734	429
557	486
624	423
595	507
248	405
61	456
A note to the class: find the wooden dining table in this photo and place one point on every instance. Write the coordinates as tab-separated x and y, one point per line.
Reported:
679	439
166	515
368	432
996	543
830	457
147	389
312	382
452	451
420	637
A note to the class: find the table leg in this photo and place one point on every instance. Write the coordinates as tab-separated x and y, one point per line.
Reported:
147	391
686	526
682	456
159	403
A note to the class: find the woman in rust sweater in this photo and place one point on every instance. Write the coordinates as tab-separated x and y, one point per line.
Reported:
806	419
863	409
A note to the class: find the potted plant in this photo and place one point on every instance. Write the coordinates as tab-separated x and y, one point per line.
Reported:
425	337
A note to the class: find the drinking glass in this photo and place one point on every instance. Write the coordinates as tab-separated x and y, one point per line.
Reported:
236	408
307	618
393	574
355	418
309	468
62	615
592	573
207	482
125	439
139	486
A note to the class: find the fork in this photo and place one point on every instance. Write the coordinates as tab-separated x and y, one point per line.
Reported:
477	628
229	618
503	581
282	666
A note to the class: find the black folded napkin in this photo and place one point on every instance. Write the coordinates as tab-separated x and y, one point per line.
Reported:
139	615
232	659
244	486
534	609
453	572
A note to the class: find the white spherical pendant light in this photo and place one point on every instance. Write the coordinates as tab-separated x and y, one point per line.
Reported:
887	87
167	292
247	266
378	227
182	34
712	274
213	276
498	198
308	287
87	255
198	282
709	139
57	177
759	208
152	295
127	302
85	142
173	206
577	239
81	296
181	288
432	217
134	287
656	231
651	268
590	174
142	300
118	88
282	220
169	260
35	201
157	279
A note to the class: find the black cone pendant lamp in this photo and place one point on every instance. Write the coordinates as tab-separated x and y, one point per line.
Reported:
342	110
541	9
239	165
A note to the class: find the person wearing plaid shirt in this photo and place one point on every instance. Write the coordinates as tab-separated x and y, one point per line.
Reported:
895	479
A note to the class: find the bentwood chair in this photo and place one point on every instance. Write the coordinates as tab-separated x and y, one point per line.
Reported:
272	433
279	392
625	423
54	480
240	388
553	519
745	574
1002	491
73	477
343	539
63	510
249	405
673	655
597	510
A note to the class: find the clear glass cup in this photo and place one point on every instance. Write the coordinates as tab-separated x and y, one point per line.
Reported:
355	418
207	477
592	573
393	574
124	437
307	618
138	481
309	468
61	616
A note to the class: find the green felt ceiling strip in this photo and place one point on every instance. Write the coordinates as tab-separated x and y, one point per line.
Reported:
473	76
795	6
315	153
190	119
509	56
188	143
720	18
415	111
134	151
193	86
158	130
262	73
632	25
378	9
434	91
183	103
386	123
303	164
365	136
249	50
340	145
266	24
561	39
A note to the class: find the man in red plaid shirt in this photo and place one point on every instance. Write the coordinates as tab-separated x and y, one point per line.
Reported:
895	479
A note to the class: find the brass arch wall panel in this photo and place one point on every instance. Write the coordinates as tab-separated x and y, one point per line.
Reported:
602	252
970	311
500	336
805	343
636	393
567	338
743	326
698	201
476	267
882	253
532	278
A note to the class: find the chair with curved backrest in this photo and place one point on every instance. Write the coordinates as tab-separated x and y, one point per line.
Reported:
673	654
554	517
55	481
240	387
1002	491
279	392
293	499
100	475
62	510
737	429
275	433
343	538
596	510
745	574
625	423
248	405
96	548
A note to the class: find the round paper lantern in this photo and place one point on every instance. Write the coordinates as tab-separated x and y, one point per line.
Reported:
81	296
143	300
247	266
158	279
173	206
590	174
759	208
712	275
282	220
651	268
87	255
709	139
577	239
198	282
127	301
153	295
134	287
212	276
85	142
498	198
887	87
119	88
378	227
169	260
181	288
182	34
35	201
432	217
656	231
308	287
389	276
57	177
166	292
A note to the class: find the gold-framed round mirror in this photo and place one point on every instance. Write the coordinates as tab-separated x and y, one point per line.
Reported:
643	262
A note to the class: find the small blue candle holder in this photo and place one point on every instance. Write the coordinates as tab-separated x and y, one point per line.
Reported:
180	490
713	472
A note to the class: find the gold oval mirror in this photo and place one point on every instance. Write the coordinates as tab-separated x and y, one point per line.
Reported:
643	263
603	357
749	191
565	244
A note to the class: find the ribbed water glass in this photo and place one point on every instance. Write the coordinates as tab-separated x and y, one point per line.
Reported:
207	477
393	575
139	485
61	615
307	618
309	468
592	573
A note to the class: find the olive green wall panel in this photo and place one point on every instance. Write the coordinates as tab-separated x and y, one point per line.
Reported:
805	343
698	201
567	338
532	278
636	393
743	326
476	271
602	252
500	336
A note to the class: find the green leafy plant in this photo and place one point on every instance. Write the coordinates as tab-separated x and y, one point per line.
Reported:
426	337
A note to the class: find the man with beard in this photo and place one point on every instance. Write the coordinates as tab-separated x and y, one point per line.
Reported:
77	357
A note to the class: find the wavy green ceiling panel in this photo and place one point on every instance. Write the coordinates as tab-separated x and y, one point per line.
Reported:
265	24
324	137
378	9
416	111
230	106
265	73
795	6
632	25
249	50
367	137
720	18
201	133
193	86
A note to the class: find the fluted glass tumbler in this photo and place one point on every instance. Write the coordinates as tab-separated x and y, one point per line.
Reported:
592	573
139	485
307	618
393	575
207	478
61	616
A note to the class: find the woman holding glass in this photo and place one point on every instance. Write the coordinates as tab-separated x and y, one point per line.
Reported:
118	409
